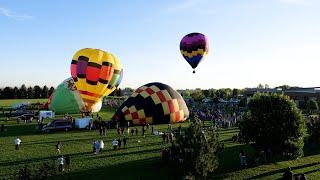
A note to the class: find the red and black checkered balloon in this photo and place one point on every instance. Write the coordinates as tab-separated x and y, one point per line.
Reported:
153	103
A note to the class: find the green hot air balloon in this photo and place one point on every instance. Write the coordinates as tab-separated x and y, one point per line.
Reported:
66	99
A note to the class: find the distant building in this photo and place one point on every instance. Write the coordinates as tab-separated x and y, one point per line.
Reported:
297	94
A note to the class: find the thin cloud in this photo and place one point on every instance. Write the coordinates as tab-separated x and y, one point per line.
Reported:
296	2
14	15
185	5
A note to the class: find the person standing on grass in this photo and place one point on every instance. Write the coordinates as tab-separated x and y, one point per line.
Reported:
58	147
17	143
100	129
119	143
61	163
97	147
164	137
128	129
124	141
94	146
104	129
288	174
136	130
114	144
143	130
132	131
67	162
243	158
152	128
2	128
101	146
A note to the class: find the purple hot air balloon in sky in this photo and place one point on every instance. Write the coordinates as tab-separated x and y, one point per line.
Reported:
194	47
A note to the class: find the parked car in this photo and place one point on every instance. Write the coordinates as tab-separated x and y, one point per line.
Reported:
21	112
58	125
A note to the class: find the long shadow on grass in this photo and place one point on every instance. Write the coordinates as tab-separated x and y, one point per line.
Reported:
151	168
116	153
27	160
30	129
282	170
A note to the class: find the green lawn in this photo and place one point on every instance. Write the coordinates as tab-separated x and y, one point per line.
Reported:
140	160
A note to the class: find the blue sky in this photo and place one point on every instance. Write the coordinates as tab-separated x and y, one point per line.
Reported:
272	42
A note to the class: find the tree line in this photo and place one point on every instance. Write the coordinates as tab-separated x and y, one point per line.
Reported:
24	92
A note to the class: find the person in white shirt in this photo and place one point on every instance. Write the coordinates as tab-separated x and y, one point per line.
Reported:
115	144
17	142
61	163
101	146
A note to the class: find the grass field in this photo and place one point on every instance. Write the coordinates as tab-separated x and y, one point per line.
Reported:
140	160
10	102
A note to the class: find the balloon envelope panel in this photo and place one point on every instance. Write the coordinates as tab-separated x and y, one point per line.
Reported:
153	103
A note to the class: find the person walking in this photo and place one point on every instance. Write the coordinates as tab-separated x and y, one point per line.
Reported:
58	146
17	143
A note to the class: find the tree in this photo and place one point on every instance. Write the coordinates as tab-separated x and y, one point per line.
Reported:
8	93
23	91
15	92
206	93
45	92
235	92
37	91
197	96
312	106
30	93
198	149
260	86
274	122
284	87
119	92
51	90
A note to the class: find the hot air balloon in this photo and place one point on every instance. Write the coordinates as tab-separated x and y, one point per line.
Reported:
153	103
66	99
96	73
194	47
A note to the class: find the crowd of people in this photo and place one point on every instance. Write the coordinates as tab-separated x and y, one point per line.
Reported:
113	103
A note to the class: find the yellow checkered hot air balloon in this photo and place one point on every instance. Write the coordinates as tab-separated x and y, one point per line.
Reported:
152	103
96	73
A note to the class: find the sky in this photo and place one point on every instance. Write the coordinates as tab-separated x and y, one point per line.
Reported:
272	42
